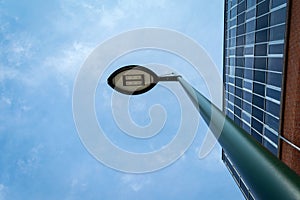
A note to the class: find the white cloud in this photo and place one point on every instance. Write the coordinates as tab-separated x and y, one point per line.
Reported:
32	160
3	191
135	182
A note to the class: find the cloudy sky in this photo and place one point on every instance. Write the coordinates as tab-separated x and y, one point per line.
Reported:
43	46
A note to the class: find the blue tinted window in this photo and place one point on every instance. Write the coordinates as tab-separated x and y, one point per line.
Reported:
263	8
260	76
248	85
250	26
274	79
275	3
240	40
238	92
258	114
238	82
250	38
256	136
237	121
274	94
249	62
272	108
248	50
247	107
241	7
278	16
261	50
258	101
277	33
261	36
244	188
246	128
246	117
275	64
276	49
239	51
231	89
237	111
241	18
248	73
250	13
270	147
231	98
238	102
240	29
250	3
230	115
232	32
239	72
259	89
247	96
240	62
272	122
262	22
233	12
271	136
260	63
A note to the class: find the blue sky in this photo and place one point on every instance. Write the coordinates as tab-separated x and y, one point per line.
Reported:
43	46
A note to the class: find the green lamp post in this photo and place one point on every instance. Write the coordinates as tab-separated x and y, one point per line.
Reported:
266	175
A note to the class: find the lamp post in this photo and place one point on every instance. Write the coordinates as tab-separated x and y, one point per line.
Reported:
266	175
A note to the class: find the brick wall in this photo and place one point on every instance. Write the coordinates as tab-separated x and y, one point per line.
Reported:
291	110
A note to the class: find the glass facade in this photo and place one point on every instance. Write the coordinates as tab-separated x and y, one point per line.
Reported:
253	65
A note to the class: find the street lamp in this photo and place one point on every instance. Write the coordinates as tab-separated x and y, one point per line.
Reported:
266	175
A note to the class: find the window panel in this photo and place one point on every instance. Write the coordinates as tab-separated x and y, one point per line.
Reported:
270	147
259	89
248	73
240	40
241	7
241	18
250	26
274	79
256	136
269	134
247	96
258	114
241	29
250	3
239	51
248	50
274	94
251	13
261	36
261	50
278	16
262	22
247	107
239	72
249	62
248	85
276	49
272	108
275	3
260	63
275	64
250	38
277	33
263	8
258	101
259	76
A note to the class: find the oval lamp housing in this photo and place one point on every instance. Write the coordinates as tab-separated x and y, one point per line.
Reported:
132	80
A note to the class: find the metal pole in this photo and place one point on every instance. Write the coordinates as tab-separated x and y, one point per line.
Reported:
266	176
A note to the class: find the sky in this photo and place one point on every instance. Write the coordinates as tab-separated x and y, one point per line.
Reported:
44	44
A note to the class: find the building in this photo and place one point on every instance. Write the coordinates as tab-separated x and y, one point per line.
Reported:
262	76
